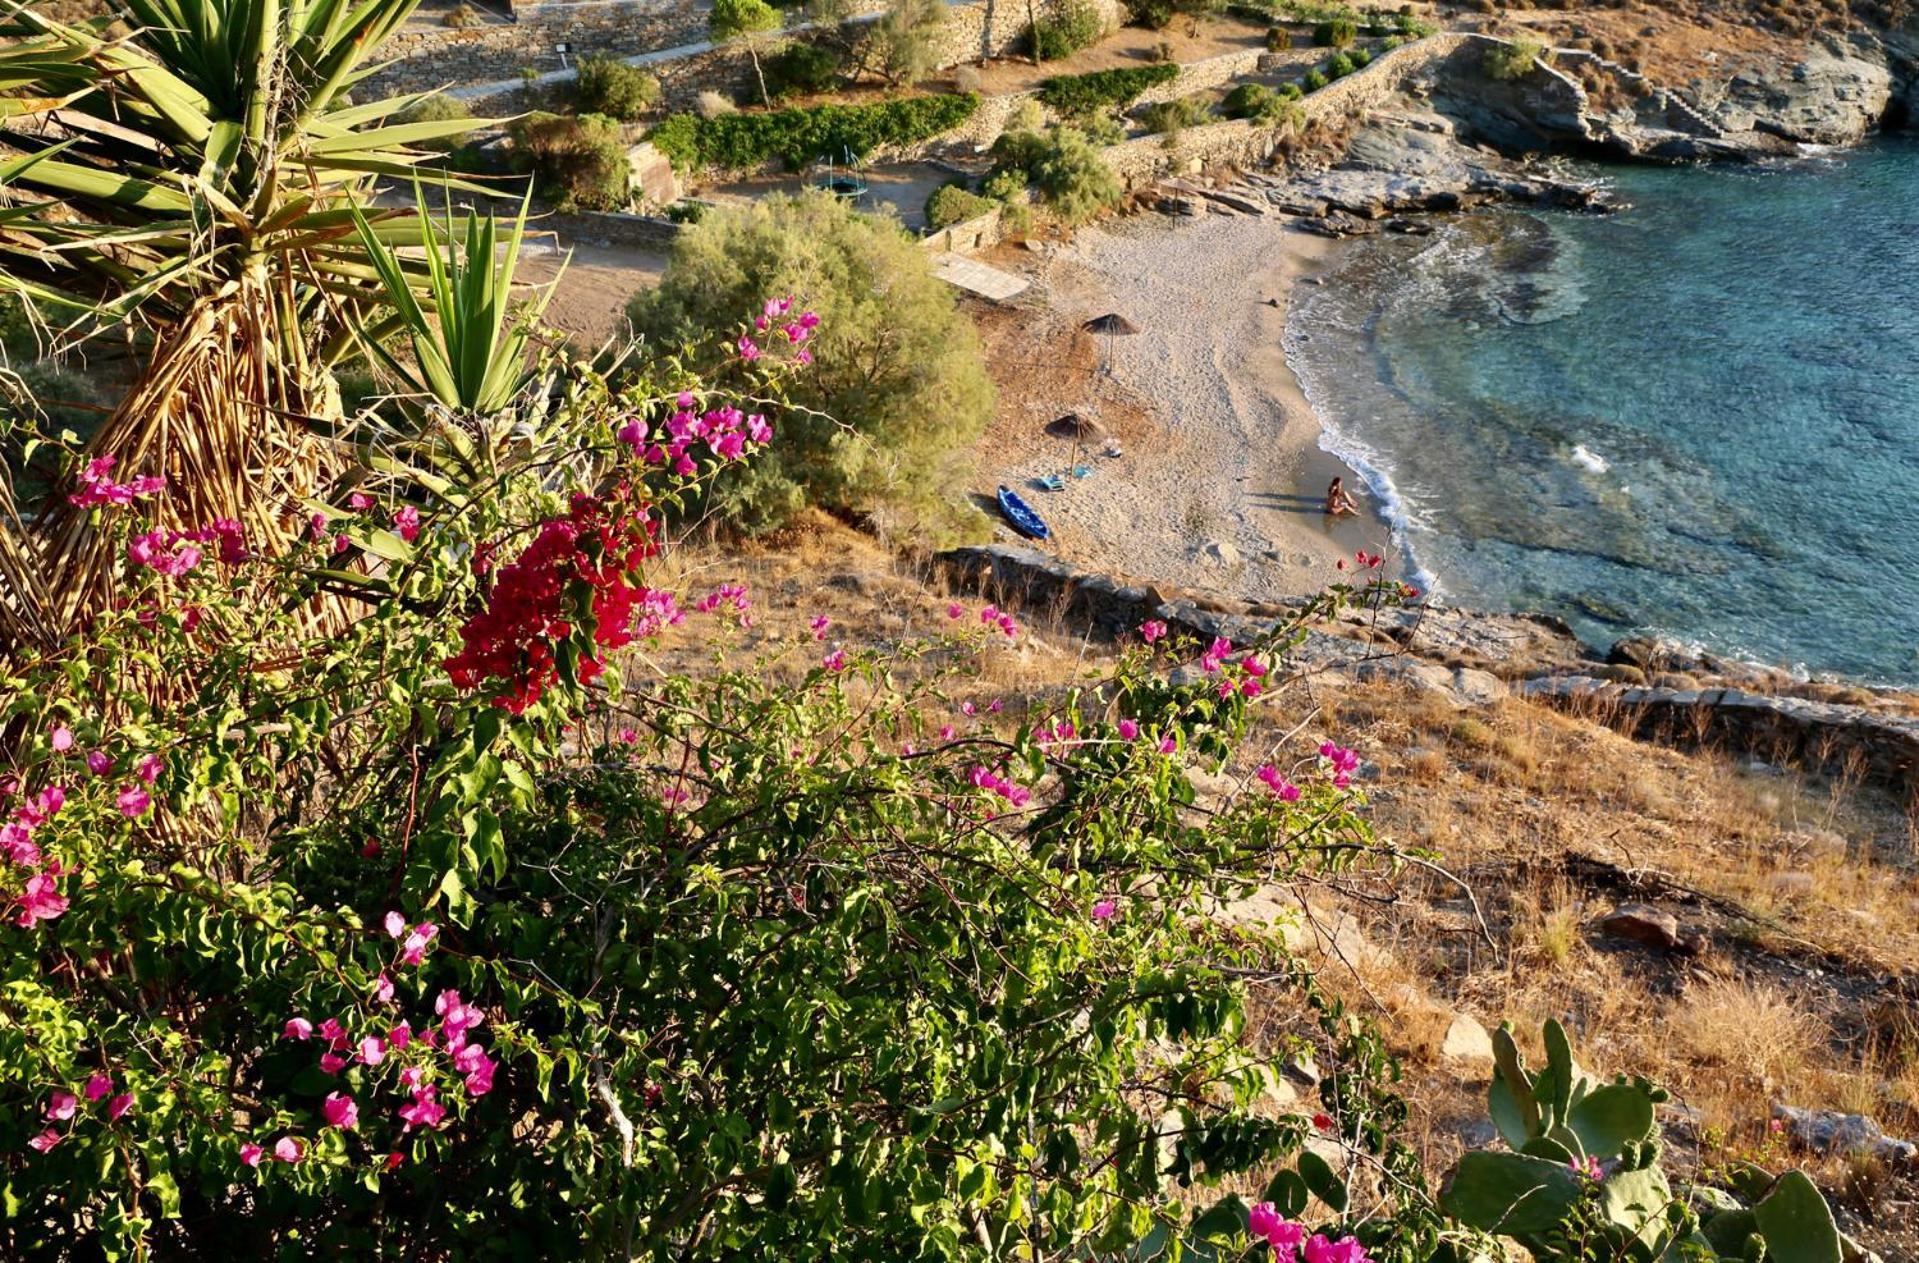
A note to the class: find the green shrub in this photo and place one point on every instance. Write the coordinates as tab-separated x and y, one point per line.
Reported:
751	24
1391	42
1339	66
1005	184
613	88
1314	80
1103	90
742	142
1154	15
1338	33
954	204
899	377
685	212
18	337
578	161
1509	62
1360	57
1075	26
1262	104
1171	116
802	68
67	400
1278	39
1073	180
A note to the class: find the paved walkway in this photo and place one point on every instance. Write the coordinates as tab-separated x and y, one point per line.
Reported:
977	278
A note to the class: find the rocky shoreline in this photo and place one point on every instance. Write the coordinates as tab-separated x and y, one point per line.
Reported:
1652	689
1459	138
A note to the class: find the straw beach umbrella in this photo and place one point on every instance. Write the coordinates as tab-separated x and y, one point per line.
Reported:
1112	325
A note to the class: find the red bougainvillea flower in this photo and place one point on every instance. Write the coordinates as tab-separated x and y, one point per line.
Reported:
98	1085
119	1105
406	523
579	570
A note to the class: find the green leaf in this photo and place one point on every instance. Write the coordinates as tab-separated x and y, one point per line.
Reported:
1322	1180
1609	1119
1796	1222
1510	1193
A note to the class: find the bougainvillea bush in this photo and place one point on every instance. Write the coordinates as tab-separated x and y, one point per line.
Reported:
381	897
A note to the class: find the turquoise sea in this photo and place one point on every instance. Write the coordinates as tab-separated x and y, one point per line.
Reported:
1699	416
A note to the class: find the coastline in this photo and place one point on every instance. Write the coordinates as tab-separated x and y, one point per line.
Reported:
1224	472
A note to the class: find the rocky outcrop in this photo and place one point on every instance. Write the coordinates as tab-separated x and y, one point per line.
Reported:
1840	92
1412	160
1885	747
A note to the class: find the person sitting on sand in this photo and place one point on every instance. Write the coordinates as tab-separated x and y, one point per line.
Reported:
1338	503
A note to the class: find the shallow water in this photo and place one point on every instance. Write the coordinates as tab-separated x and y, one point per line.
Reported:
1698	417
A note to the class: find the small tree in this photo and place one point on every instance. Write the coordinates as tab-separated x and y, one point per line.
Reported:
747	23
898	393
903	48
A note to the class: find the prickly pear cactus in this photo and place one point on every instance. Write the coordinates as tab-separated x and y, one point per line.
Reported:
1583	1179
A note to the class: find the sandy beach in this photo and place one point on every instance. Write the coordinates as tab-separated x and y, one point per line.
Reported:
1222	479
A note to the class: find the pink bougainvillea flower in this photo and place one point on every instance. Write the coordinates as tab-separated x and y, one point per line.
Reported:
298	1028
1168	744
61	1105
341	1111
1128	730
133	802
61	739
395	925
99	762
359	502
1262	1219
40	901
819	626
372	1050
968	709
413	947
383	989
749	349
1284	789
45	1141
1105	910
1152	630
954	609
989	614
98	1085
1323	1249
628	736
835	661
251	1153
333	1032
406	523
424	1111
119	1105
332	1063
16	841
400	1036
289	1149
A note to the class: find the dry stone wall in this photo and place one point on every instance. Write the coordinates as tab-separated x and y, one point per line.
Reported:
427	57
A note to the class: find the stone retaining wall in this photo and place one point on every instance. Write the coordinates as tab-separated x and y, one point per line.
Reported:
982	232
613	228
427	57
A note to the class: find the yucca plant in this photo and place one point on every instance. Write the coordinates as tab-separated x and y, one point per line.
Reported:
195	187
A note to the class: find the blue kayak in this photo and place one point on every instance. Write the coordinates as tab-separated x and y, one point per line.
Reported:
1021	515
